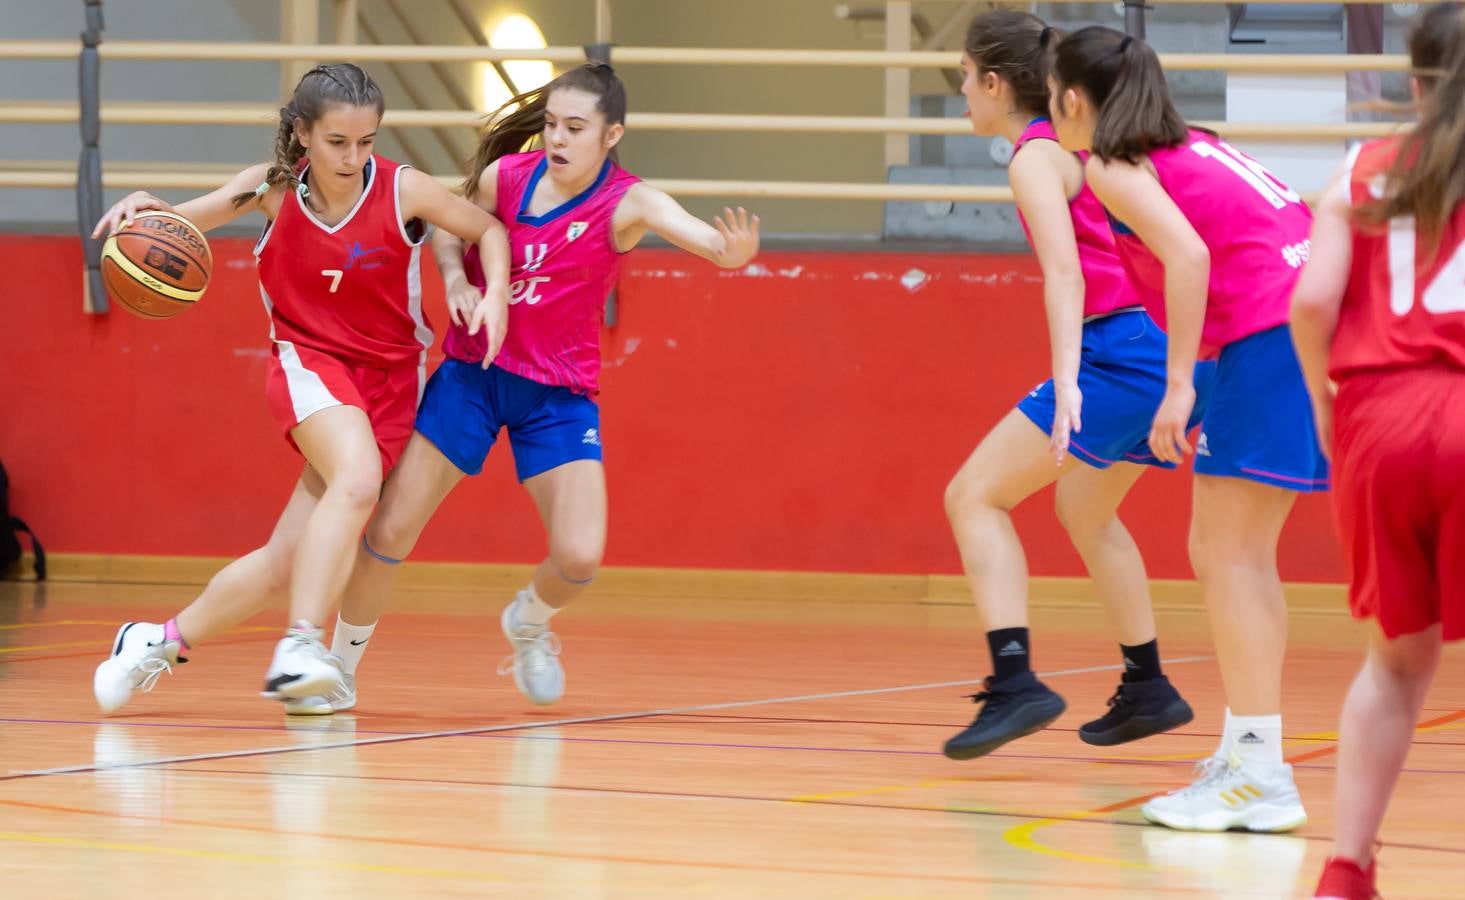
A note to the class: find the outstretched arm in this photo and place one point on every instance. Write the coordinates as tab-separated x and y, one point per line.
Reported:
730	241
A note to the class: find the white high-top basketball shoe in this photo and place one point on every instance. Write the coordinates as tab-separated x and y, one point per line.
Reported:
1228	794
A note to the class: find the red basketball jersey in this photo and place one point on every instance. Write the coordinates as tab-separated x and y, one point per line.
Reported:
353	289
1404	305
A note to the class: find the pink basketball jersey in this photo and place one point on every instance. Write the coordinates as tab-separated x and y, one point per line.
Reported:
565	263
1255	227
1106	285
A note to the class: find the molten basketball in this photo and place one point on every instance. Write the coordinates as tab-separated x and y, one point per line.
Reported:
156	266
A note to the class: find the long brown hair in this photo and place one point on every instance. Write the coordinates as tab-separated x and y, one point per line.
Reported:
337	84
1123	78
1427	180
1014	46
516	124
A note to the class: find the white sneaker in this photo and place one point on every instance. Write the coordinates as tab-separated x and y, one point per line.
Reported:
339	700
302	666
140	655
1225	795
535	663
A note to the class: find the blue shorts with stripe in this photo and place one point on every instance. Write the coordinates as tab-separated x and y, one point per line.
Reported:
465	406
1121	374
1259	425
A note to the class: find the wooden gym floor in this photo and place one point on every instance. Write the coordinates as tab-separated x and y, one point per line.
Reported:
719	748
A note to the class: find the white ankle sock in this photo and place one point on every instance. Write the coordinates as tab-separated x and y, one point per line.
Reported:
533	611
1258	742
1228	736
349	643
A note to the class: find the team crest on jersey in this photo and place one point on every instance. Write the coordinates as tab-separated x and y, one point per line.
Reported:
575	230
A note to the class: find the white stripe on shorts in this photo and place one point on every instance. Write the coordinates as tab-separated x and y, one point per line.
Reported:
308	393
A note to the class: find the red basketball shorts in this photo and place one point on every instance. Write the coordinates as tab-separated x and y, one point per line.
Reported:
1399	497
303	382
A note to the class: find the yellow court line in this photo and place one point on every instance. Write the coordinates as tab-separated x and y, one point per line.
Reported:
57	622
287	861
1021	836
114	623
95	643
896	788
29	647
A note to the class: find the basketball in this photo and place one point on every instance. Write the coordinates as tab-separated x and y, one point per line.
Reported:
156	266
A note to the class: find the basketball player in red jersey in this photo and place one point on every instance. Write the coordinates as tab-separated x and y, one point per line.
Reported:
1380	312
572	213
339	276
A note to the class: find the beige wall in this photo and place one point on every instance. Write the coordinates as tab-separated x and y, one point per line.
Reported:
690	88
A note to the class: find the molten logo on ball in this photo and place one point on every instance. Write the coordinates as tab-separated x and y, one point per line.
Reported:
176	230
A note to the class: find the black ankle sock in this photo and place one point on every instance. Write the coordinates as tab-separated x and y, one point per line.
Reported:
1141	662
1009	649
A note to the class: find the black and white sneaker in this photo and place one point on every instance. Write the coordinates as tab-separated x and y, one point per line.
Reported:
1011	708
1137	710
141	653
302	666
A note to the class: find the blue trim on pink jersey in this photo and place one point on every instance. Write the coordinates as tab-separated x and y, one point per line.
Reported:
525	219
1117	226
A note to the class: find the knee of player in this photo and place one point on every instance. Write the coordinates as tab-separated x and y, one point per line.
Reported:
389	539
1410	657
578	561
360	486
1200	552
1086	526
965	494
1081	525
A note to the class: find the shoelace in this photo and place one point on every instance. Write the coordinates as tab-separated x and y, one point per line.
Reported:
153	667
546	642
1207	773
311	645
1121	699
989	698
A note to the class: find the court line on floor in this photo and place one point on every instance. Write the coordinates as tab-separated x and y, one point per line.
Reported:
99	643
581	856
17	625
714	745
570	855
1021	836
835	801
546	723
312	862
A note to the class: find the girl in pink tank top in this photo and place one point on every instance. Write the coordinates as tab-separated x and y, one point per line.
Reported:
572	214
1224	240
1108	376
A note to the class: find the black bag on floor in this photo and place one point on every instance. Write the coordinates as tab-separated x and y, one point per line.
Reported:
9	527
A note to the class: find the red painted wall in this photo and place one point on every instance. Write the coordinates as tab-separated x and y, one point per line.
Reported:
803	415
